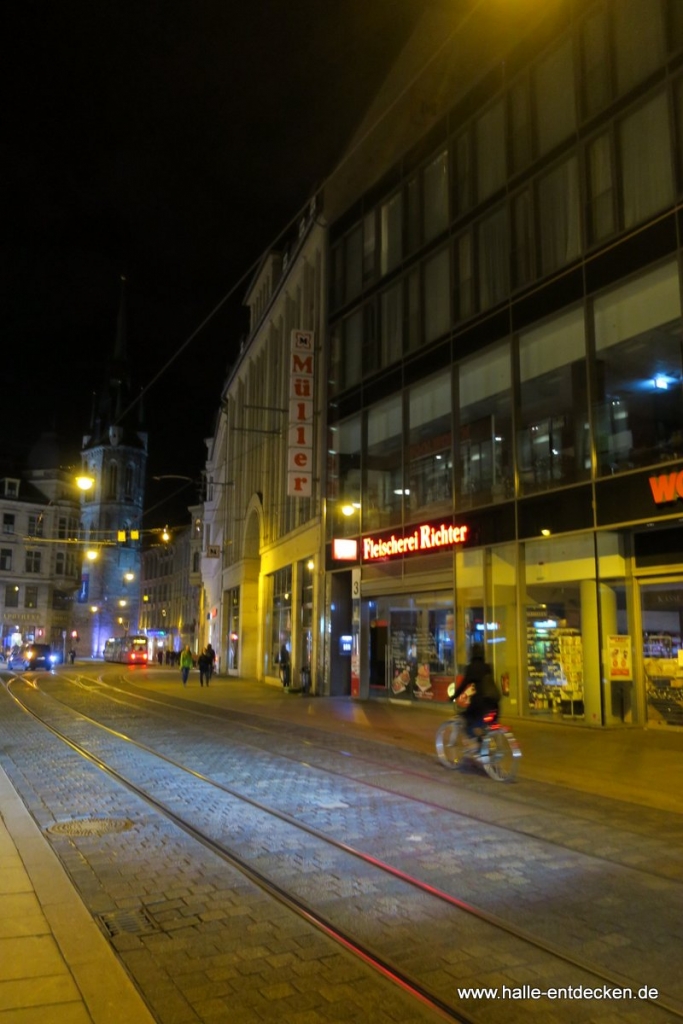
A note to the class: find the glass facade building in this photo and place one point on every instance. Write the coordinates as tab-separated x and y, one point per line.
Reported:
505	385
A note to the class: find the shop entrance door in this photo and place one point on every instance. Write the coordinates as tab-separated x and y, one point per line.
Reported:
661	609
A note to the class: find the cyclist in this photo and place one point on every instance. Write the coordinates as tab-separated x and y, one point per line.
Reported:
485	696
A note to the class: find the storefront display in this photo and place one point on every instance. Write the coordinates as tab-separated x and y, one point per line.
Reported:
555	666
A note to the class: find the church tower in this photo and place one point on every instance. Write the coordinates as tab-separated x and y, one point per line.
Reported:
114	457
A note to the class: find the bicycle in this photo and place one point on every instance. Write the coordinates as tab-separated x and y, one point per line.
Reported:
494	748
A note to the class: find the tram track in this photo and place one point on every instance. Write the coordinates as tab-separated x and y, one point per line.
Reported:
551	960
443	779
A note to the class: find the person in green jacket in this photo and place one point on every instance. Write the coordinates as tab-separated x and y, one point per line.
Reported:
186	663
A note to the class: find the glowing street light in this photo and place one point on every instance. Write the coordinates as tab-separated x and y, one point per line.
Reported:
85	483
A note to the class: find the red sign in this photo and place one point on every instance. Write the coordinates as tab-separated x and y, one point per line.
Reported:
667	487
423	538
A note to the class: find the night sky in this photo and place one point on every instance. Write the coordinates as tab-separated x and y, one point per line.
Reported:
169	141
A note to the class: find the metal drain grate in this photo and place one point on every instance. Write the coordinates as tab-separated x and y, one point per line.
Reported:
90	826
132	922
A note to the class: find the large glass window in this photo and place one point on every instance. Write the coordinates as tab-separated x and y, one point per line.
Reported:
522	252
520	125
346	344
558	216
430	447
553	443
30	597
281	617
489	133
233	645
344	479
437	296
485	465
492	253
6	559
435	202
353	264
391	233
554	98
463	173
369	247
391	324
561	602
464	279
601	197
646	167
11	596
639	40
411	646
383	490
595	62
639	377
372	356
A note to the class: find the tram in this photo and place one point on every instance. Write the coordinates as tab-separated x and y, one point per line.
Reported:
131	650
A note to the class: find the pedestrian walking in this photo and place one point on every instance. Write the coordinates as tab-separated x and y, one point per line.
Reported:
186	663
204	666
211	655
285	667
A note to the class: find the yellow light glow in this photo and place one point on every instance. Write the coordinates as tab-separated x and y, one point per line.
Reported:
84	483
91	554
310	565
129	576
348	510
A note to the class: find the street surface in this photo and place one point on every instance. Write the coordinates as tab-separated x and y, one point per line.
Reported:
478	900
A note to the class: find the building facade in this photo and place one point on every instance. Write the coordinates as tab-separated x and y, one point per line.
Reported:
40	558
261	566
170	607
505	374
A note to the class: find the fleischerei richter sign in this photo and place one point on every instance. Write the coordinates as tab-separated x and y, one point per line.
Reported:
420	539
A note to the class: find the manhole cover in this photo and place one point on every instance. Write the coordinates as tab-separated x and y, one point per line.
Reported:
132	922
90	826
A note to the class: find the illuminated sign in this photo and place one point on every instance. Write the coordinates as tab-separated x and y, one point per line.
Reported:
667	487
423	538
344	549
300	437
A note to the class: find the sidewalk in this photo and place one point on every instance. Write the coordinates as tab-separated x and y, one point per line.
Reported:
56	967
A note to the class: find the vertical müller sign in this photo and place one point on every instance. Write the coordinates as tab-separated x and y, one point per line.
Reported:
300	443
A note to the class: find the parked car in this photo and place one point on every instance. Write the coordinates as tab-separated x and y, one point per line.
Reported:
33	656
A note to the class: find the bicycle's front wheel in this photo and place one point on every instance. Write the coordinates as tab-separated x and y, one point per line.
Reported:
501	760
450	743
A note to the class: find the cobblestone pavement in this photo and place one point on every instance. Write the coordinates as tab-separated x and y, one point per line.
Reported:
202	943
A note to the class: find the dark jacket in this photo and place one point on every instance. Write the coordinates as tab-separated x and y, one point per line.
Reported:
487	696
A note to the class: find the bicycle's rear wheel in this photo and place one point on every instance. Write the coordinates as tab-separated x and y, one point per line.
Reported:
501	760
450	743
